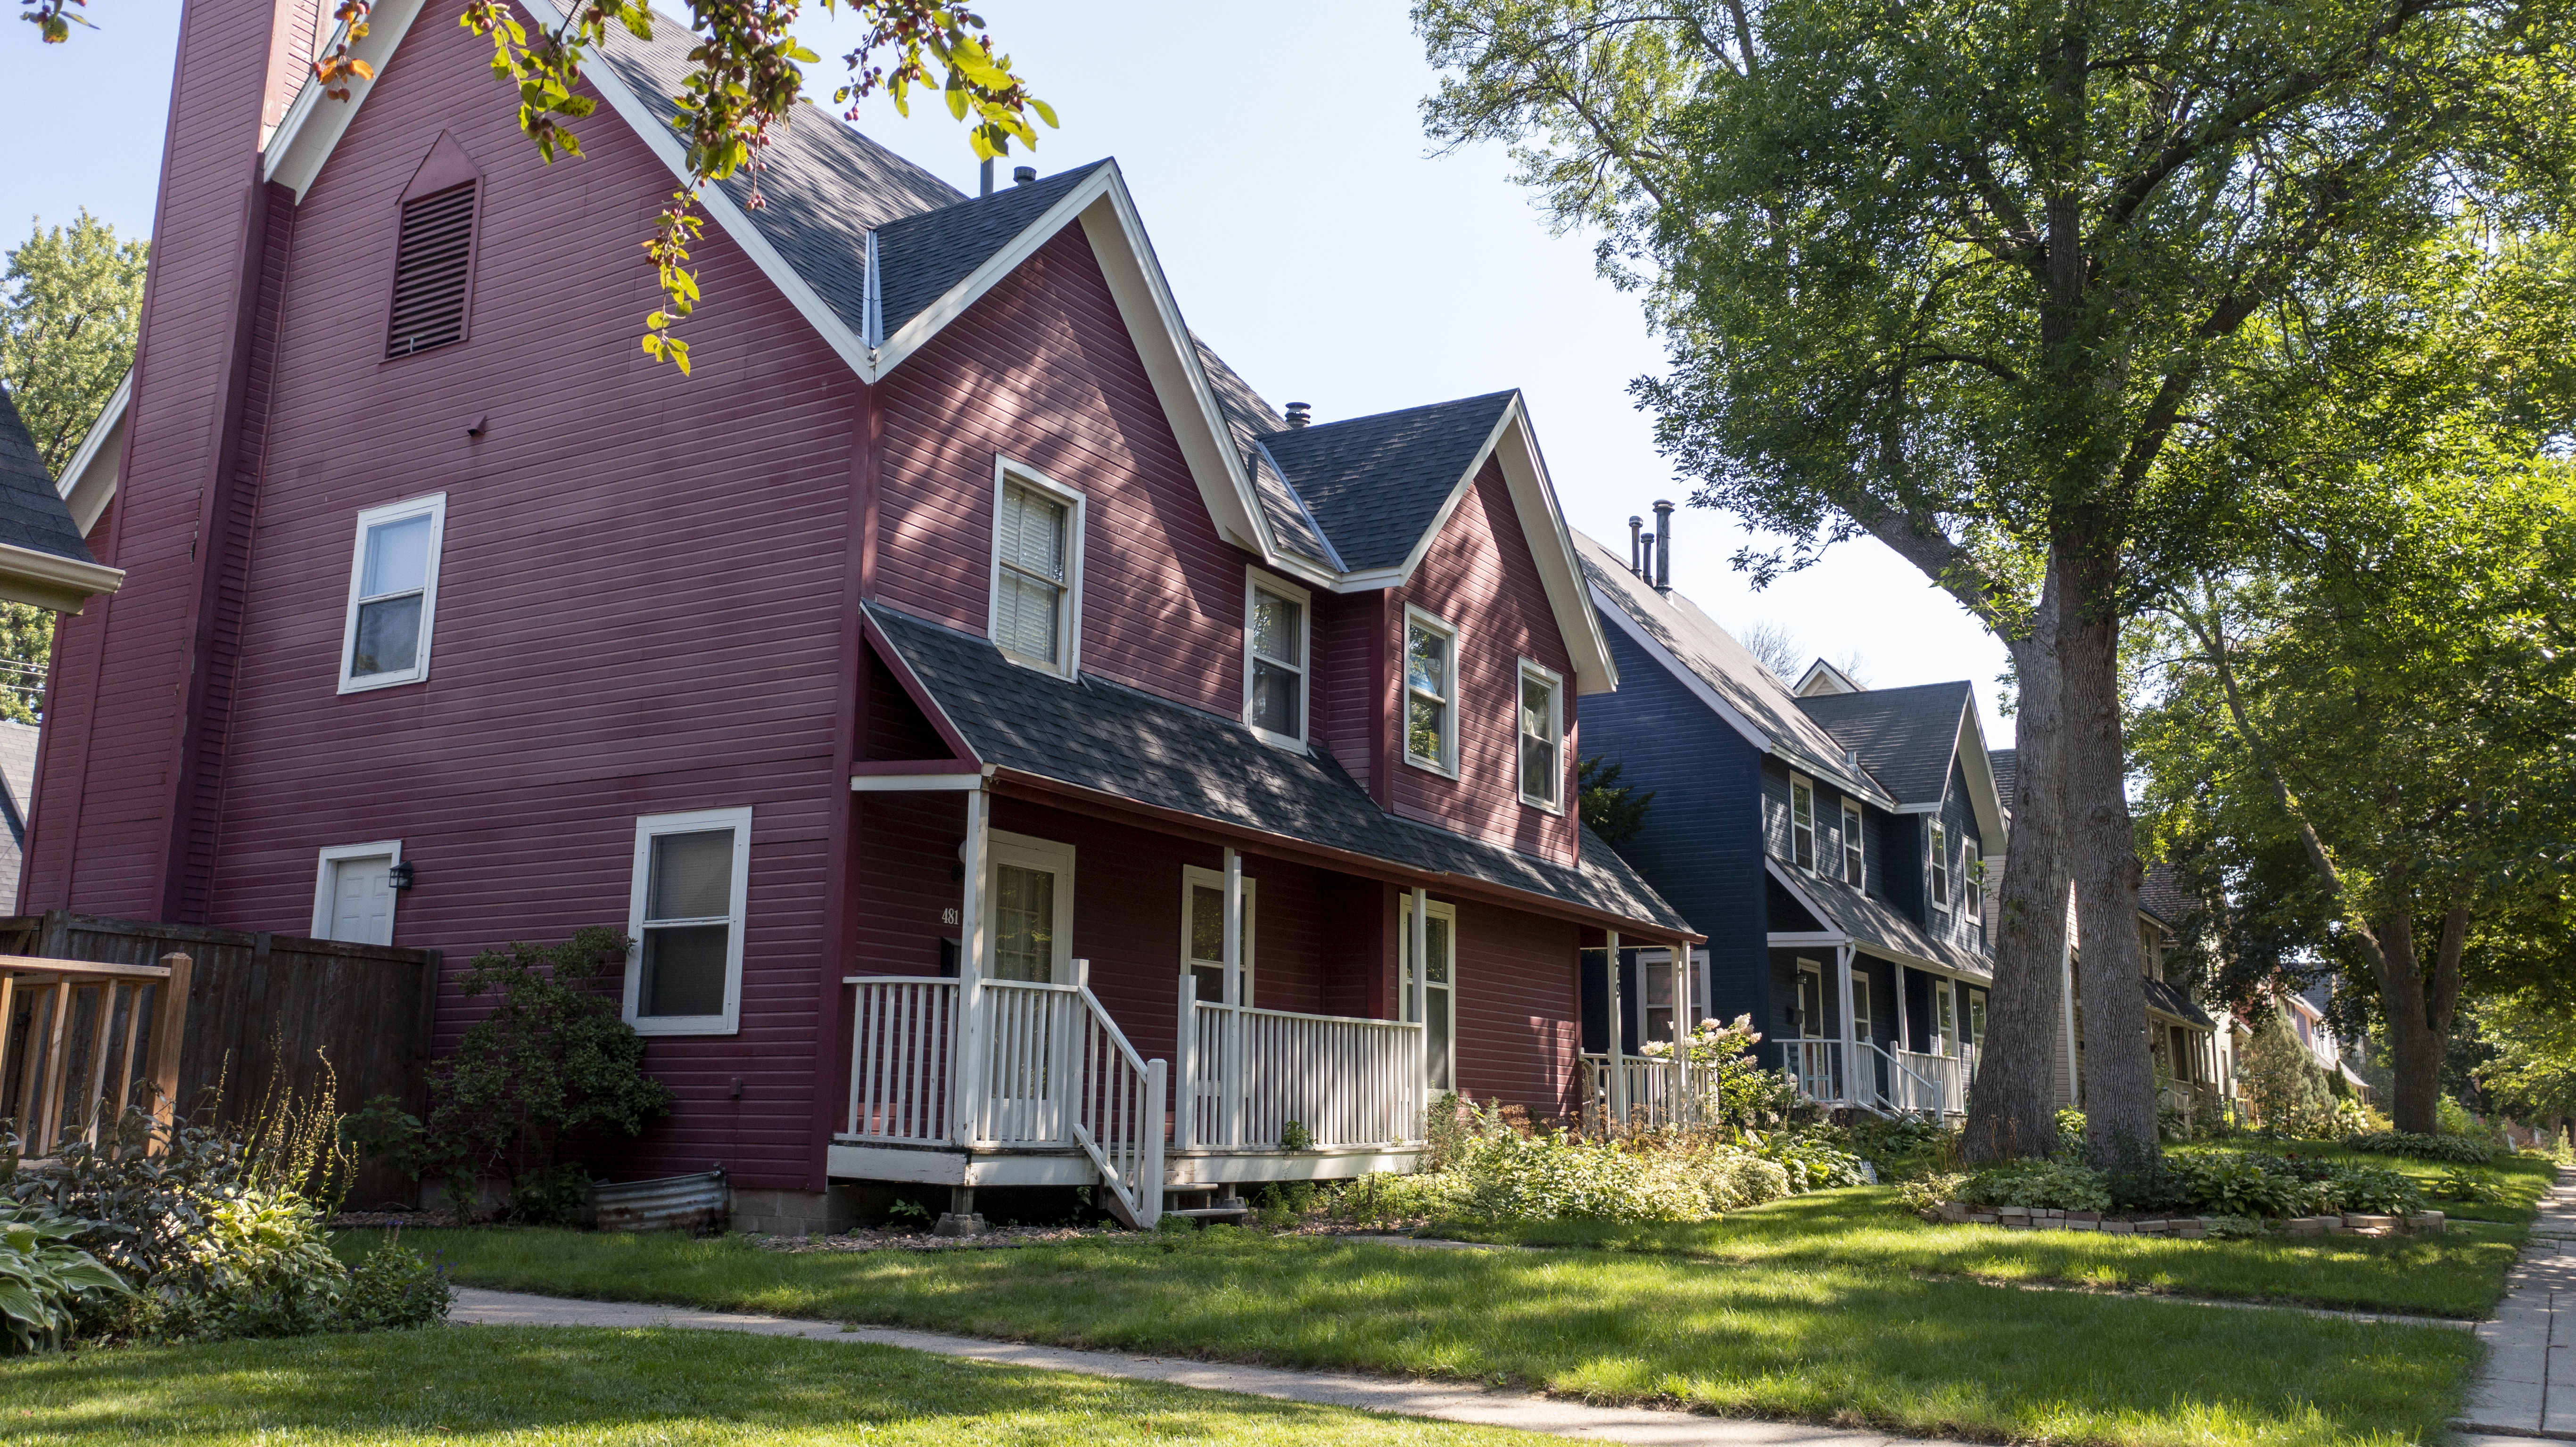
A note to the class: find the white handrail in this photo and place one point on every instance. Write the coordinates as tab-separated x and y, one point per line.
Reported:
1816	1068
1063	1073
902	1051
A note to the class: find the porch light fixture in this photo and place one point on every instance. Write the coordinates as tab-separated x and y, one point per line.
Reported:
1793	1015
399	876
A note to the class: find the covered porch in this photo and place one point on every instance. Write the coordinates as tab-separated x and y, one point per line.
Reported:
1880	1017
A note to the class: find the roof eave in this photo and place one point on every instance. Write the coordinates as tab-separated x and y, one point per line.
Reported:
49	580
292	155
88	482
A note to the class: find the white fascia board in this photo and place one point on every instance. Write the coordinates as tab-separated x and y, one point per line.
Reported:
948	308
88	483
1689	678
1551	546
1983	795
1789	882
1332	559
315	122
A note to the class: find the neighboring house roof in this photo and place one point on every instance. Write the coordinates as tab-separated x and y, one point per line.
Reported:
2005	764
42	558
1873	924
2164	999
1906	737
1822	677
1109	739
1378	485
1729	680
17	803
2160	894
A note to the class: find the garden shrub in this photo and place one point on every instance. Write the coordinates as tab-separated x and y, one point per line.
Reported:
2039	1184
1735	1179
2463	1150
1905	1147
1924	1193
2375	1191
1813	1158
393	1288
2233	1183
45	1277
2143	1180
2456	1184
1386	1198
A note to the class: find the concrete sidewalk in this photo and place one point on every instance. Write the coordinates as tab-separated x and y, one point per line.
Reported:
1470	1405
2528	1388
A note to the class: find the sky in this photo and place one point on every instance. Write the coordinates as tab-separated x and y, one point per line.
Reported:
1309	233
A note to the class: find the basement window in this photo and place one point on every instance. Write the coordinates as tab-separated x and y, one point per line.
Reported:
433	271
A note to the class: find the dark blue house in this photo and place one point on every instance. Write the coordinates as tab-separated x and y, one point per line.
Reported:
1839	845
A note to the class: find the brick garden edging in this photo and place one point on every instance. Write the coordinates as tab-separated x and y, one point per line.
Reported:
2189	1228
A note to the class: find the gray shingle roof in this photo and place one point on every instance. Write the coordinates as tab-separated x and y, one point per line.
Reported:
1906	737
2160	894
2164	999
1874	924
32	514
923	257
1374	484
2006	764
1100	735
1718	661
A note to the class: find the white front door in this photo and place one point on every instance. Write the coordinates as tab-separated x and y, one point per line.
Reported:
362	900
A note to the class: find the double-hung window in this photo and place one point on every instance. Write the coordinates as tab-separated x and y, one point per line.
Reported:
1972	884
1037	570
1430	693
1940	868
1439	1016
685	914
1203	934
393	594
1275	637
1854	865
1542	731
1802	822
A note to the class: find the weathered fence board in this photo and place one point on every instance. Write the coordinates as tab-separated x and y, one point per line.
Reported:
265	1011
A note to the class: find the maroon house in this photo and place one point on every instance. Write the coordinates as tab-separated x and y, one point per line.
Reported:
1022	755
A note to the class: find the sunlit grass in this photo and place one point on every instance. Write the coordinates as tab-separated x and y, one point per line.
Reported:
533	1387
1805	1338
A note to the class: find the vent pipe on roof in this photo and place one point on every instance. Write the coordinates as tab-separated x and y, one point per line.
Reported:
1663	546
1636	546
1023	175
988	177
1299	414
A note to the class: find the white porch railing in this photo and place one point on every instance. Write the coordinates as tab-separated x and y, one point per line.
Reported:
1658	1092
1816	1068
1246	1072
902	1039
1945	1080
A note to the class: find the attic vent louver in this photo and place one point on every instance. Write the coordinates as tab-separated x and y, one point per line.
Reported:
431	268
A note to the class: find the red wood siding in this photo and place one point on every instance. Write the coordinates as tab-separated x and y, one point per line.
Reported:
1041	370
1344	712
1519	1010
1480	578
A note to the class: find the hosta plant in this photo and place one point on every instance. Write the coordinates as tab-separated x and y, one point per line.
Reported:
43	1275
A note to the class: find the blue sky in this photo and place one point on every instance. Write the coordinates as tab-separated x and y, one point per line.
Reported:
1308	233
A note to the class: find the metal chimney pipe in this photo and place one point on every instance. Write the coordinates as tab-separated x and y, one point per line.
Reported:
1299	414
1663	546
988	177
1636	549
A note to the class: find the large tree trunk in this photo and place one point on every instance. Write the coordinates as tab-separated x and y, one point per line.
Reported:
2119	1074
2013	1109
2418	1011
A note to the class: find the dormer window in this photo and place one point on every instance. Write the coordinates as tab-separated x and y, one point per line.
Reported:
1275	636
1802	822
1430	693
1854	865
1940	868
1037	570
1542	731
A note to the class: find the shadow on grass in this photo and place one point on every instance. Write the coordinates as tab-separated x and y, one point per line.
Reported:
657	1386
1807	1340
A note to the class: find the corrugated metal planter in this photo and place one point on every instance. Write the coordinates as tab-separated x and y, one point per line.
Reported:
673	1203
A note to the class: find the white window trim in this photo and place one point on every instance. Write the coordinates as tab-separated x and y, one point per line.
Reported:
1864	1015
1810	1021
1531	668
1799	781
1938	884
1434	909
1193	877
1447	765
434	506
1256	582
1069	625
1972	890
1023	851
1855	841
324	880
647	827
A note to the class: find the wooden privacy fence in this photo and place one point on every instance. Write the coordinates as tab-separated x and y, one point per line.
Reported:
263	1013
81	1041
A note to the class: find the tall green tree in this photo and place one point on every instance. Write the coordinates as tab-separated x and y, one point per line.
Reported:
73	297
2012	286
2374	735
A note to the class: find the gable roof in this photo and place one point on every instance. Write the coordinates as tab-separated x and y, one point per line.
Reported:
1872	924
42	558
1906	737
1732	682
1378	485
1109	739
2005	765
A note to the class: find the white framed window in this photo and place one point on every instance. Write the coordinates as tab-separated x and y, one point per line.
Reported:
1945	1016
1439	989
1037	570
1430	693
353	894
1855	863
1203	931
1940	868
1542	736
1811	1000
1972	885
1863	1023
1976	1017
1802	822
685	913
1278	628
393	594
1028	909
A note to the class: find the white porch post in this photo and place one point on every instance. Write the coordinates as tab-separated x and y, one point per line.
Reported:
1185	1069
1233	956
966	1094
1618	1052
1679	1074
1851	1039
1417	989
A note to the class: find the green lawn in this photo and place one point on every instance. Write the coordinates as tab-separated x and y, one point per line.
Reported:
663	1388
2460	1273
1806	1338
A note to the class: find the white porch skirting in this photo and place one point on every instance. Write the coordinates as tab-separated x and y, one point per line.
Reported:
931	1166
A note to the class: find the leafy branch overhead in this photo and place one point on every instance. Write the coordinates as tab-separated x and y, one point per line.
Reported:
744	82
